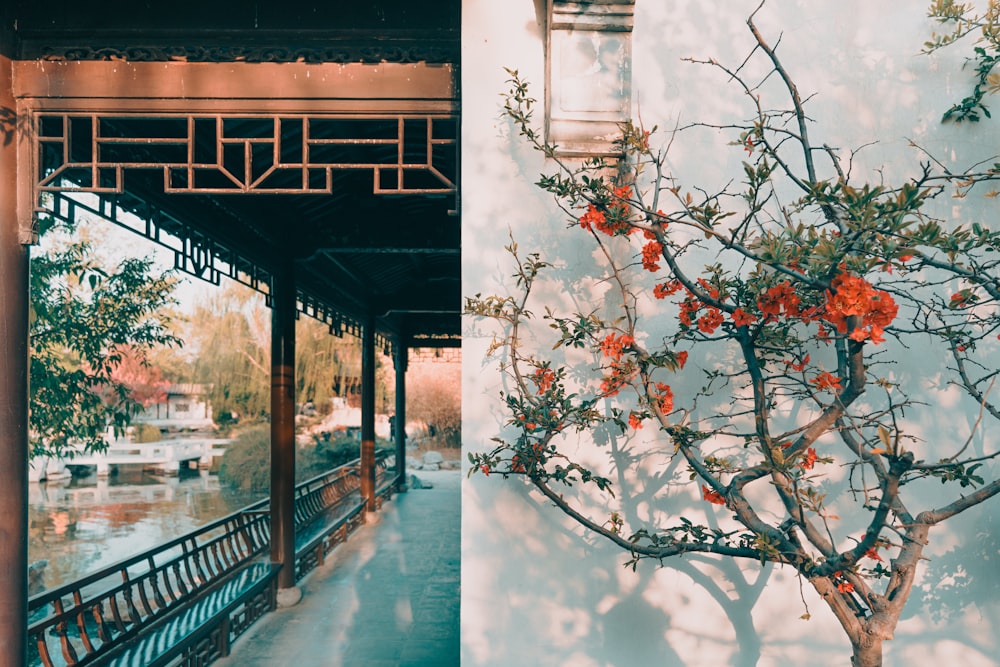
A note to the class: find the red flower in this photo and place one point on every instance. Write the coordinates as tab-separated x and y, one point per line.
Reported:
486	469
610	386
682	358
853	296
873	553
799	366
712	496
664	397
666	289
808	459
544	377
635	421
612	345
592	217
843	585
826	381
651	253
710	321
689	307
742	319
779	299
712	290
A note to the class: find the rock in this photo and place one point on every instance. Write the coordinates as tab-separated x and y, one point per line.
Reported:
288	597
36	577
417	483
413	463
433	458
430	466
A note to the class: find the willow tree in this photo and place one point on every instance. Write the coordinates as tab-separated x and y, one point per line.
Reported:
231	332
758	335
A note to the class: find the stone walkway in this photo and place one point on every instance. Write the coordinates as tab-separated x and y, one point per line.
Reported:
387	597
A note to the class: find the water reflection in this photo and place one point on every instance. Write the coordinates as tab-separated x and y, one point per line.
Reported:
81	525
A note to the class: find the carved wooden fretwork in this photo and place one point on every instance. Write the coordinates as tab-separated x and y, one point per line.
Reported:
247	154
338	52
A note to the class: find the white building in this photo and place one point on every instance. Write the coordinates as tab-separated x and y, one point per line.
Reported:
183	407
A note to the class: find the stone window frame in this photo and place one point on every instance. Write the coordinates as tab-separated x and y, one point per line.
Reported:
588	87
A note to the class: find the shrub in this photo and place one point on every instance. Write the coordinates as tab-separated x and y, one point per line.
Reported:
146	433
247	462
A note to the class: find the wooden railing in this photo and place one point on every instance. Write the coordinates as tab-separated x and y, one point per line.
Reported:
334	496
184	602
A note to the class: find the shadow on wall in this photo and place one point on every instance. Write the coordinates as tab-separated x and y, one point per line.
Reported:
539	591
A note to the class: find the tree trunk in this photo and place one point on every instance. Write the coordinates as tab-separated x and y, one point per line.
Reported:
869	655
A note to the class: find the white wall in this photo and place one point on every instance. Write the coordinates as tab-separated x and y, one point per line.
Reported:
538	591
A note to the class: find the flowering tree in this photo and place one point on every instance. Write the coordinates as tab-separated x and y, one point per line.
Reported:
793	298
144	380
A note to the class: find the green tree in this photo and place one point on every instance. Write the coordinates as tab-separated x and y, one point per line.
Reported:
324	363
231	335
87	318
760	335
963	22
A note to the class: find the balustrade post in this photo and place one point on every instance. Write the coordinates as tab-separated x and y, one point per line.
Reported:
368	415
401	364
14	257
283	430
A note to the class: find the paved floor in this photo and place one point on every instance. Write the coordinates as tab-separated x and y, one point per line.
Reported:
387	597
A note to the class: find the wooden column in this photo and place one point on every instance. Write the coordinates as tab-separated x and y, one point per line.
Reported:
368	414
283	423
400	362
13	379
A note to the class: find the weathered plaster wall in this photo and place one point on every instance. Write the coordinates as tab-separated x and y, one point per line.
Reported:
538	591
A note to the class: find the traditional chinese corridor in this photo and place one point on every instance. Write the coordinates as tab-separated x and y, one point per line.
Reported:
388	596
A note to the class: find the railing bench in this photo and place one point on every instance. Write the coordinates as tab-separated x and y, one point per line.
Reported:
184	602
144	603
203	630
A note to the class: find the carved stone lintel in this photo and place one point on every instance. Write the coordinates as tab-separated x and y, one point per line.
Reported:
601	15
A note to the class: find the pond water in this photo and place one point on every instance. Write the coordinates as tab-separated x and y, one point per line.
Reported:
81	525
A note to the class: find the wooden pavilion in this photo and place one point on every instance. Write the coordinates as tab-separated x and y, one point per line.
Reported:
309	150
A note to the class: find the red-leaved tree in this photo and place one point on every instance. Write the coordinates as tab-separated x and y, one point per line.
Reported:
757	333
145	381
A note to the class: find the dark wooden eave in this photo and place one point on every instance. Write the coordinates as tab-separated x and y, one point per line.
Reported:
357	253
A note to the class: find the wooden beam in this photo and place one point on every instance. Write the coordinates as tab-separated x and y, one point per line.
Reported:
121	84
